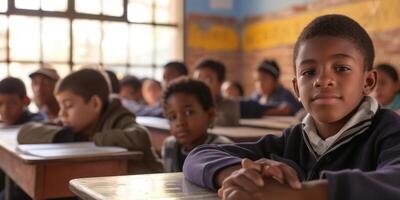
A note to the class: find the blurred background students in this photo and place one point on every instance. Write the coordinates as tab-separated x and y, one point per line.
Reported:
387	90
212	73
173	70
43	84
270	92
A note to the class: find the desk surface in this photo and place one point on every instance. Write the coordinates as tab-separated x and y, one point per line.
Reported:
152	186
233	132
43	178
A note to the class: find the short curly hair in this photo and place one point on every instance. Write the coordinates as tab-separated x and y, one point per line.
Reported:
12	85
180	67
216	66
342	27
189	86
389	70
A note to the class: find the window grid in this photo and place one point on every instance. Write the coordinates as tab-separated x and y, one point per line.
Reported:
72	15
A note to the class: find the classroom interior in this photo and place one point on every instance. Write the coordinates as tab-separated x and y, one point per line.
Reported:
138	38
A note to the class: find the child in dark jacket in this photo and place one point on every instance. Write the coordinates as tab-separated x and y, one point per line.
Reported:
14	103
347	147
189	107
87	114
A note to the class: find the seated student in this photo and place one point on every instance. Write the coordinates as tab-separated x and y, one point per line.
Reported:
270	92
212	73
87	114
114	82
387	90
173	70
43	83
151	92
14	111
189	107
14	103
232	89
347	147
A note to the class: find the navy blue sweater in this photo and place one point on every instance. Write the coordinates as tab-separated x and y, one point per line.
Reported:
365	167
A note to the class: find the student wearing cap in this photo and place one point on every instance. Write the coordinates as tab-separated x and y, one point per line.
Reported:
271	93
43	83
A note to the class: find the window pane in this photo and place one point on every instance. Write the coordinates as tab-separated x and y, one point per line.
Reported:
28	4
54	5
158	73
23	47
120	71
141	44
141	71
166	45
115	43
88	6
166	11
140	10
3	39
55	38
22	71
62	69
86	34
113	7
3	71
3	5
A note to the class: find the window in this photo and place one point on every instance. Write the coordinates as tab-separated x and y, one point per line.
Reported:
55	39
3	5
54	5
127	36
3	38
24	47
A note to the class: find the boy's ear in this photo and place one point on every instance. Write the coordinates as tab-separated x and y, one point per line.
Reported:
26	101
370	82
96	102
211	114
295	87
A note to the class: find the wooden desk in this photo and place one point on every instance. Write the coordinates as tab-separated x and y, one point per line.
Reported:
159	130
270	122
153	186
43	178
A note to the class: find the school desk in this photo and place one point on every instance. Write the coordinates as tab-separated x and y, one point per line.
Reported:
159	130
48	177
152	186
271	122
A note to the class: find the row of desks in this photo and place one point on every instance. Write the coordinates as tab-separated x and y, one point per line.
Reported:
171	185
44	178
249	130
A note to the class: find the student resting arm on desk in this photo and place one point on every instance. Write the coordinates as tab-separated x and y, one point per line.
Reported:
347	146
88	115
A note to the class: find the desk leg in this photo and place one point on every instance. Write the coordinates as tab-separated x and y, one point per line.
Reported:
12	191
8	188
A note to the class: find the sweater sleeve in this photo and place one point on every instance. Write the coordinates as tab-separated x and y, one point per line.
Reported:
204	162
133	137
36	133
383	183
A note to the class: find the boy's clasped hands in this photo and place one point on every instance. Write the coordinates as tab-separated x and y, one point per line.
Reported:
261	179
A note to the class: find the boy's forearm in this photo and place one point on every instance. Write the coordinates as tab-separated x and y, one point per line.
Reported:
223	174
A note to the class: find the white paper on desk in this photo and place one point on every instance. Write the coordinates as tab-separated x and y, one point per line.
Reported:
77	149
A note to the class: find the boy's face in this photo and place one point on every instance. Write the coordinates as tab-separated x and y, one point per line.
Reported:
210	78
230	91
187	119
11	108
43	88
127	92
265	83
151	92
76	113
169	75
386	88
330	78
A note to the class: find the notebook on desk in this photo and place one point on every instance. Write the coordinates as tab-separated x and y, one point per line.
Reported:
77	149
